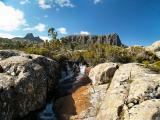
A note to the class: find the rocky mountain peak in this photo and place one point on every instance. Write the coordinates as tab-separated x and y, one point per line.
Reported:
29	36
112	39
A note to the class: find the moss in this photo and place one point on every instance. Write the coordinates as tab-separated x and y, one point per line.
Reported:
130	81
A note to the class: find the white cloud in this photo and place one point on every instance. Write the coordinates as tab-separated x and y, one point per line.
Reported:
44	37
43	4
64	3
10	18
40	27
97	1
46	4
8	35
62	30
22	2
84	33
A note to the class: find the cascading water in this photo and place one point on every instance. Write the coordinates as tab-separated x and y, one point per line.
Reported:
48	113
66	83
66	74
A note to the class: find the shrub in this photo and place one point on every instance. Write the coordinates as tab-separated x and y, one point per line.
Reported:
155	66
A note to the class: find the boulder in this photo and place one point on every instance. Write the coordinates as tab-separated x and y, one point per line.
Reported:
25	83
102	73
131	85
154	47
158	54
147	110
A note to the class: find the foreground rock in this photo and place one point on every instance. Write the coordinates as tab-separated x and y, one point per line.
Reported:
133	93
24	83
158	54
103	73
84	102
81	104
131	85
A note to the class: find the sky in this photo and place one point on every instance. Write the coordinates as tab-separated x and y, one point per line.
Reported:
137	22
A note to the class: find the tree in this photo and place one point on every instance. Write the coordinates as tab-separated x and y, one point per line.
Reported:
52	33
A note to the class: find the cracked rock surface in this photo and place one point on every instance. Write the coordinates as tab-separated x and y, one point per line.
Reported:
24	83
133	93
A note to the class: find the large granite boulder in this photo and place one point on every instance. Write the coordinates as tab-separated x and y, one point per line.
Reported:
154	47
111	39
158	54
131	85
103	73
24	83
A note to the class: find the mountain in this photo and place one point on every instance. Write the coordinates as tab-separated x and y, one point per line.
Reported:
112	39
29	37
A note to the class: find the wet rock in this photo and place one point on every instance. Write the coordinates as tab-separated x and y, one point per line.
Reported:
1	69
81	104
25	83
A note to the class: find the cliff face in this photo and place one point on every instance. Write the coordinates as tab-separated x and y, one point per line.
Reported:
112	39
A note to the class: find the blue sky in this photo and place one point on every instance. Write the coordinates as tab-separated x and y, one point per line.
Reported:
136	21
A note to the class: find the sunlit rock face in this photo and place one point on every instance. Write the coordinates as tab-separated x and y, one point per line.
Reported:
154	47
84	101
103	73
130	89
111	39
132	93
24	83
82	104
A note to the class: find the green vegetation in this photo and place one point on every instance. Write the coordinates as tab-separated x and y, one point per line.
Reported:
93	54
155	66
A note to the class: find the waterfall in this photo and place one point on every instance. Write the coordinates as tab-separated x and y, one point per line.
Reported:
65	75
47	113
66	83
82	69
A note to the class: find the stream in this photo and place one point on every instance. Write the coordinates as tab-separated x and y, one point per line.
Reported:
66	83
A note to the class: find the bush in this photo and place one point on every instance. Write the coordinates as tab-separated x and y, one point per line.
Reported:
36	50
155	66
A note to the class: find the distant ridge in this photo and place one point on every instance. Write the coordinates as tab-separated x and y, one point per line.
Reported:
29	37
111	39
